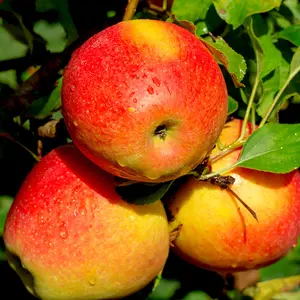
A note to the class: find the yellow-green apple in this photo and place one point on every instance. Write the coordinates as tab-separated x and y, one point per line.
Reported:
70	236
219	233
144	99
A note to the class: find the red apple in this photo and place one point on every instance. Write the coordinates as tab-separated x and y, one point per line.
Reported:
219	233
145	100
70	230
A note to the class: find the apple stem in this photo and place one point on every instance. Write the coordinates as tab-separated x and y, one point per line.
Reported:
130	9
276	99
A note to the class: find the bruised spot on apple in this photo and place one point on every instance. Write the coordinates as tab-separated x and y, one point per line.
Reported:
220	234
69	235
144	100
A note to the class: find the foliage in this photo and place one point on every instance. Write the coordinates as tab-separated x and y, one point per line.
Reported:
256	44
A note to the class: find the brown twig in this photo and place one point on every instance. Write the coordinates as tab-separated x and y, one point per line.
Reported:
42	80
130	9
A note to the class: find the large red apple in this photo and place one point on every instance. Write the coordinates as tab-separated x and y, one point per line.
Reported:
70	236
144	100
219	233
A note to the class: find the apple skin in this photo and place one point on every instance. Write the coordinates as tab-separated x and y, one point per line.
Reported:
144	100
218	233
77	238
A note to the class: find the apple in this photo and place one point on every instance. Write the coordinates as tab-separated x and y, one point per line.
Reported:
70	236
144	100
218	233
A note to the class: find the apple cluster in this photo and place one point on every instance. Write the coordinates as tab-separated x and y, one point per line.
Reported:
144	101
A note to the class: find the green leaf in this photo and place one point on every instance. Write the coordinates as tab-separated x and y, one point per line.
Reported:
191	10
272	148
291	34
271	85
9	78
197	295
232	105
42	107
64	15
234	12
295	63
287	296
211	22
5	203
165	289
280	20
266	290
233	62
54	34
267	55
10	48
140	193
294	7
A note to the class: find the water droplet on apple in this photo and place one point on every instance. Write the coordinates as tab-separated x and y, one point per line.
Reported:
144	76
92	281
63	234
135	100
63	231
75	123
150	90
156	81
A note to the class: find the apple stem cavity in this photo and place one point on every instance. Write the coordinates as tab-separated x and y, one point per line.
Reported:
161	131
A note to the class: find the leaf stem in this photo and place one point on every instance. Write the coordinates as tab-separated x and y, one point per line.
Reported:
130	9
228	149
248	110
276	99
253	125
213	174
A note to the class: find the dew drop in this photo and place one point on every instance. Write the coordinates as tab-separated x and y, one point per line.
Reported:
150	90
75	123
144	76
63	231
92	281
156	81
135	100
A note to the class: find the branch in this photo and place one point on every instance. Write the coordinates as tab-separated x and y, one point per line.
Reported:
130	9
42	80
